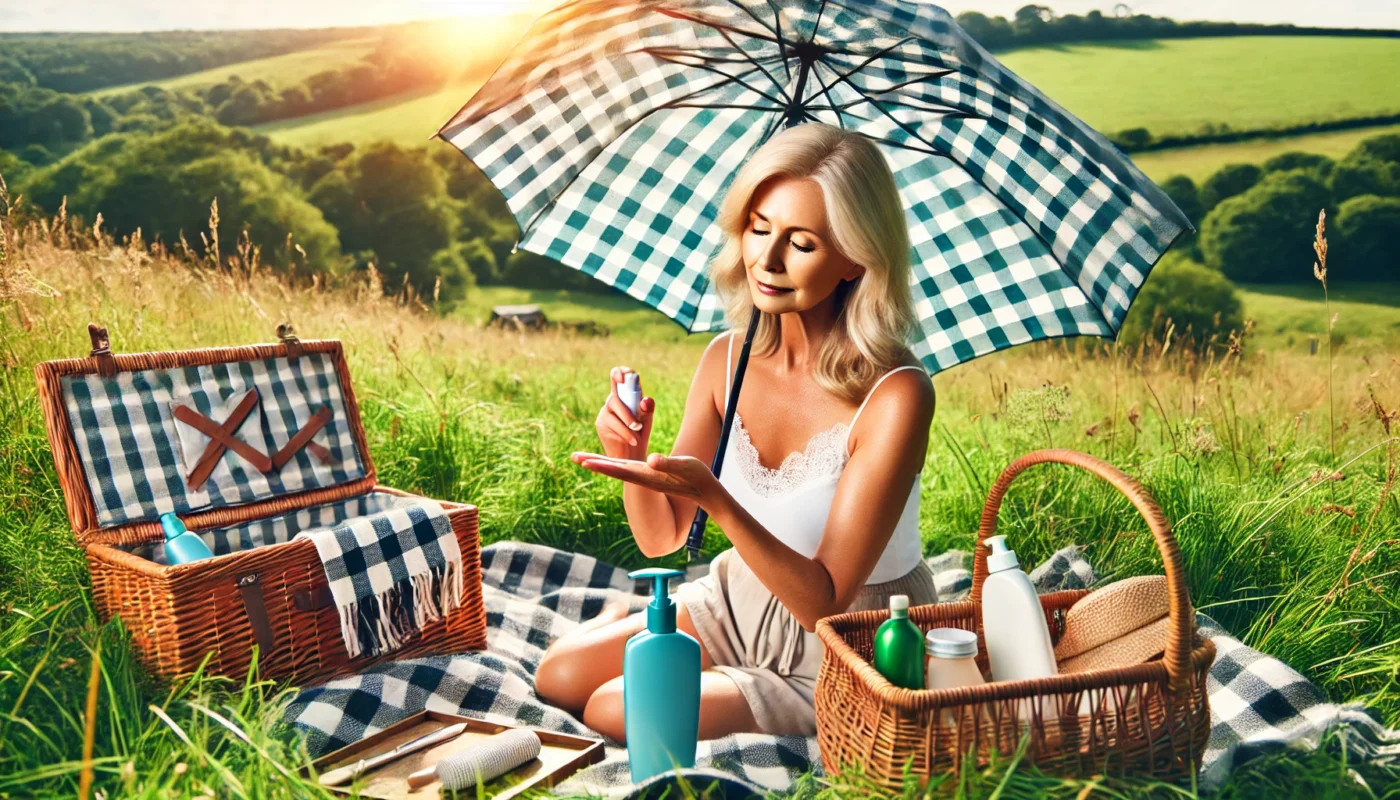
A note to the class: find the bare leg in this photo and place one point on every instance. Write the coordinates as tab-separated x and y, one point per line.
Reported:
577	664
723	709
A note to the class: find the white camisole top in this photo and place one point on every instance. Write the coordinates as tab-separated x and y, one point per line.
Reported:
792	502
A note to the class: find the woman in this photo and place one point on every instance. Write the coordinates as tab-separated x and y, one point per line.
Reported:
815	236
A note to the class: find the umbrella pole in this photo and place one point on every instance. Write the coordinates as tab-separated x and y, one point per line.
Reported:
697	528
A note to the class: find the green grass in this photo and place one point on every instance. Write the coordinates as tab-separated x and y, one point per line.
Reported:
1301	568
407	119
1199	163
288	69
1290	316
1177	85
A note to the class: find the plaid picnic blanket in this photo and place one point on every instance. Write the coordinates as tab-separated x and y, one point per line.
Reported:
390	573
534	594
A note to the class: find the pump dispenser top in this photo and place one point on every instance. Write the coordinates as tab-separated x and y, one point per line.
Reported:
661	611
1001	557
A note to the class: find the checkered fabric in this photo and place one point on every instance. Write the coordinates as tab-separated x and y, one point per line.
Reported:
535	594
281	528
390	573
615	127
128	442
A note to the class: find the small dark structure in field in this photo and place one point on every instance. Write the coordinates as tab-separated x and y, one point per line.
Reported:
531	317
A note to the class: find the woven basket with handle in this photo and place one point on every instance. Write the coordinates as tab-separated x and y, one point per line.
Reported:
1148	719
274	596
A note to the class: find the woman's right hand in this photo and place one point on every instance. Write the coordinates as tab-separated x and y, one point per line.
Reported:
623	435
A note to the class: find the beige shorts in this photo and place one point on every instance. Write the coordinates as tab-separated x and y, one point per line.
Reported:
756	642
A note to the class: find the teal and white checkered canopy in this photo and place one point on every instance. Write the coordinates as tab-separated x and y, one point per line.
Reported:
615	127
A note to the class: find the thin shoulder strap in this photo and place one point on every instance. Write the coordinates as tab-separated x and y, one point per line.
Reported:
728	366
868	395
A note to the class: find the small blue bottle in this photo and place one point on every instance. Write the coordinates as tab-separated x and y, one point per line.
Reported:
660	687
182	546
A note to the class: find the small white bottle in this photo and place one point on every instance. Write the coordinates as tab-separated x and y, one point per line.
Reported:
1013	624
630	392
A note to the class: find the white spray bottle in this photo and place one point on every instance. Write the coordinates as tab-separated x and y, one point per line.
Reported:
1013	624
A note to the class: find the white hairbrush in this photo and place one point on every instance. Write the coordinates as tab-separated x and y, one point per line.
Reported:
481	762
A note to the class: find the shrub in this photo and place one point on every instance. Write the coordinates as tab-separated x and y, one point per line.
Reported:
1359	175
1368	228
1182	191
1265	234
1197	301
1384	148
1283	162
1228	181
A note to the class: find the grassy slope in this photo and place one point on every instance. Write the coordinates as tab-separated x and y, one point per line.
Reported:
1198	163
406	119
1263	552
278	71
1178	85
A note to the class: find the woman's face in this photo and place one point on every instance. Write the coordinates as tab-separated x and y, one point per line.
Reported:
789	254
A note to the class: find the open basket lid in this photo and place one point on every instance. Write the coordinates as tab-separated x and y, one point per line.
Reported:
216	435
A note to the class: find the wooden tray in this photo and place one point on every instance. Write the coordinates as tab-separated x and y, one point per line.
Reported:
561	755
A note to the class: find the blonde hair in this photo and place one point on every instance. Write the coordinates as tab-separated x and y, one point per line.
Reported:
875	312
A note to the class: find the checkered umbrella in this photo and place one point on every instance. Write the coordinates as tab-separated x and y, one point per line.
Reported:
614	128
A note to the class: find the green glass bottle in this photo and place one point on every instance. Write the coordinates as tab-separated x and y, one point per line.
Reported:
899	647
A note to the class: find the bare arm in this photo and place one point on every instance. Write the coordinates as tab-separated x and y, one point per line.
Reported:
660	522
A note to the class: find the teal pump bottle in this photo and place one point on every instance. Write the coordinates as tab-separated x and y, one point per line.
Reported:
182	546
660	687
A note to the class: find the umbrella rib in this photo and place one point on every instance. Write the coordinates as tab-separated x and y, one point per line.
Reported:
728	78
826	90
816	26
881	54
891	117
778	32
755	18
750	59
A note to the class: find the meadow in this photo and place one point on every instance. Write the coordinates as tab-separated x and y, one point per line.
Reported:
1175	86
406	119
1277	469
1201	161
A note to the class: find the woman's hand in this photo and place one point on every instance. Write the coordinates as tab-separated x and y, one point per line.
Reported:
680	476
622	434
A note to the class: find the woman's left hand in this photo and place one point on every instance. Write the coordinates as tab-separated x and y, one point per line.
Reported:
682	476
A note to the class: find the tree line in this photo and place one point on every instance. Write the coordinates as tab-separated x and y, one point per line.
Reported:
82	62
1036	24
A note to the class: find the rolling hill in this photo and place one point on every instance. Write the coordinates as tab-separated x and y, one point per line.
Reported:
278	71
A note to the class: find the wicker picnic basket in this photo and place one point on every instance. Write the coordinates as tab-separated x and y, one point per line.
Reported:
1147	719
272	593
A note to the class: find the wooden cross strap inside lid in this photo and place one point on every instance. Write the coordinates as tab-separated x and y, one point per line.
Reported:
222	439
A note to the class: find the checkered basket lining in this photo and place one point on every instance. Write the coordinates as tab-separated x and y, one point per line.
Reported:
127	439
282	527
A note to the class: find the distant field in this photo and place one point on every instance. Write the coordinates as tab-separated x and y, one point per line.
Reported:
1285	317
405	119
1178	85
278	71
1199	162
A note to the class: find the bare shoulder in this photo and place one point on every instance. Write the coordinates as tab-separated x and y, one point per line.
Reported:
908	392
710	372
900	410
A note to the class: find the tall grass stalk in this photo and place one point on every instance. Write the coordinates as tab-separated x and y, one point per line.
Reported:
1320	272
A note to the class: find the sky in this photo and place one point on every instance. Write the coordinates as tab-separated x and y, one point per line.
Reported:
138	15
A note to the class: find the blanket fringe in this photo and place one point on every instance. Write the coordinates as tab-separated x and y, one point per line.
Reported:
433	594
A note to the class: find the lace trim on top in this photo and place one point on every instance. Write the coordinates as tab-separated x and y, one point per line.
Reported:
825	455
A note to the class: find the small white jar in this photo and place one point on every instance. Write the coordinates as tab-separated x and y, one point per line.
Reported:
950	659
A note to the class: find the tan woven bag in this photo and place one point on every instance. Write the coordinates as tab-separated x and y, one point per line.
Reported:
274	595
1149	719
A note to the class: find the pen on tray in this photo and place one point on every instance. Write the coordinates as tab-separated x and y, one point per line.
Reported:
352	771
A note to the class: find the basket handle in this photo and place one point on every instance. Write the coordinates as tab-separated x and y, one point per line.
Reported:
1180	631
